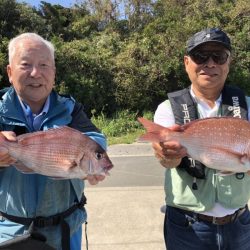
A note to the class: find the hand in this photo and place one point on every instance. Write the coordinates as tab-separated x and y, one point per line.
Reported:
95	179
170	153
5	159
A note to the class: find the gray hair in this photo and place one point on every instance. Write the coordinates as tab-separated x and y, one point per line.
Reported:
32	36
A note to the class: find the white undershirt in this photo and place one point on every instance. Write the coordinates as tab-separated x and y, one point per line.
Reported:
165	117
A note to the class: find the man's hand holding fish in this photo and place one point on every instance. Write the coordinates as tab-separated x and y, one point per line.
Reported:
5	159
170	153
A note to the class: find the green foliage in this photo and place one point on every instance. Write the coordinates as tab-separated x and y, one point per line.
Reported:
85	74
4	82
9	16
84	27
121	127
111	62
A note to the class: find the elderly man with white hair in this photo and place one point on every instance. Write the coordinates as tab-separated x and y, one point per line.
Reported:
52	209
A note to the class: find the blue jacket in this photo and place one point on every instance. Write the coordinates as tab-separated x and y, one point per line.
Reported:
32	195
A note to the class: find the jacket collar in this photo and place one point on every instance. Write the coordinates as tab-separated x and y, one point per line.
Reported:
12	112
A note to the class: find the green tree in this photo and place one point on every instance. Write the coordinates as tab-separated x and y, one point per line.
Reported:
138	13
57	20
105	11
15	18
85	74
9	18
112	59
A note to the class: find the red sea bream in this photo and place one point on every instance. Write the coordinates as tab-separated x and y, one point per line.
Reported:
222	143
60	153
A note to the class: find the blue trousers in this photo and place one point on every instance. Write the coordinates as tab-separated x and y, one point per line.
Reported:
76	240
183	232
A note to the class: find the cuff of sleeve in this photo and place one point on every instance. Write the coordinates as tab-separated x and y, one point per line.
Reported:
99	138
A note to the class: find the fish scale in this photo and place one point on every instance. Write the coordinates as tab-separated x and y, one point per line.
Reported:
221	143
61	153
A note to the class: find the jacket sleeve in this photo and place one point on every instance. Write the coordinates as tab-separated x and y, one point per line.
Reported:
81	122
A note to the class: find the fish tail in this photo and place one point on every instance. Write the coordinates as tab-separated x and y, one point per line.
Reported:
155	132
152	137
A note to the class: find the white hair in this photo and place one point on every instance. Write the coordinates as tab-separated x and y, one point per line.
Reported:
29	36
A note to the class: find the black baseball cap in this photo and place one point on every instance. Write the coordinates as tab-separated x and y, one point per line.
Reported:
208	35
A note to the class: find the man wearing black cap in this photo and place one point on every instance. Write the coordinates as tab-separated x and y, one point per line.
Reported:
205	211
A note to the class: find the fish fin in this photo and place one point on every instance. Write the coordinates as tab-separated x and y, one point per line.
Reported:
73	164
244	159
67	164
149	125
22	168
154	131
151	136
224	173
28	139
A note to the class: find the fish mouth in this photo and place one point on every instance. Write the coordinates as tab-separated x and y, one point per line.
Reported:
110	166
107	169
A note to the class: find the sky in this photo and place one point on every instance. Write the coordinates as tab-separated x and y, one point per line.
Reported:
64	3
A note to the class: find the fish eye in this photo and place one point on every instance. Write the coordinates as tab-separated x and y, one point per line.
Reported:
98	156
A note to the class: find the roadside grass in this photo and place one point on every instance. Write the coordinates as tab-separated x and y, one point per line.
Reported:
122	128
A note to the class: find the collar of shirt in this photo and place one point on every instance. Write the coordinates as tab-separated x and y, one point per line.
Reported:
34	120
204	109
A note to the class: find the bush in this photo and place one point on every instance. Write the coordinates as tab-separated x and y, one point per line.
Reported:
122	123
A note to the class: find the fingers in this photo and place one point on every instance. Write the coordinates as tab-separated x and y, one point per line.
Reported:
9	135
100	177
158	150
5	159
177	128
171	149
95	179
169	153
170	163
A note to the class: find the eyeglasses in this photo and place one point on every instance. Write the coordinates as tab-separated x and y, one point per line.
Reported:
200	57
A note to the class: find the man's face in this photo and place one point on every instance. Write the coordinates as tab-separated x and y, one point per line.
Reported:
209	74
32	72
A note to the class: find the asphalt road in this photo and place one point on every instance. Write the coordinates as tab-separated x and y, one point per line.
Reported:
124	209
134	171
134	166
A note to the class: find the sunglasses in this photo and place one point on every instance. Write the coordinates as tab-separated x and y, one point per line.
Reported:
200	57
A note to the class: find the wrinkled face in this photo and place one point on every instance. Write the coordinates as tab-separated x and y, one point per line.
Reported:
32	72
209	74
